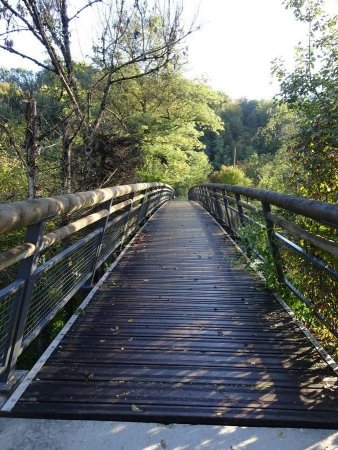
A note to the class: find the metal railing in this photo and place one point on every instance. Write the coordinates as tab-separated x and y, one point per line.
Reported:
51	267
296	237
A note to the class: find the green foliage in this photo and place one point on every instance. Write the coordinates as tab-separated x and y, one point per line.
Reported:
280	129
230	175
255	241
169	124
179	169
242	120
270	172
151	130
312	282
12	178
311	90
254	165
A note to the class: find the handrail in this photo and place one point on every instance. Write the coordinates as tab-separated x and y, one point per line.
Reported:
289	255
314	209
42	287
28	212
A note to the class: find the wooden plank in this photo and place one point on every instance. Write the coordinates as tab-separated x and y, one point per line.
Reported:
184	332
180	394
184	374
267	417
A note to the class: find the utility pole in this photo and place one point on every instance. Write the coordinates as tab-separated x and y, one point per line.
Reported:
234	161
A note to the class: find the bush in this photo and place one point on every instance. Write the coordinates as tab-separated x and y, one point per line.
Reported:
230	175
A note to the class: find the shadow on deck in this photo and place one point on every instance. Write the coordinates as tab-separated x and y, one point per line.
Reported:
181	332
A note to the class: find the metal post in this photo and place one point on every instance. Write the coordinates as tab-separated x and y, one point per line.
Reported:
22	300
147	201
127	220
226	205
273	242
212	200
159	200
217	206
209	201
147	204
202	196
103	225
144	199
199	195
240	210
205	198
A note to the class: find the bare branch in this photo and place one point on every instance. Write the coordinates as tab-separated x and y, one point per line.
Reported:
30	58
106	181
56	126
15	30
83	8
13	145
75	133
21	17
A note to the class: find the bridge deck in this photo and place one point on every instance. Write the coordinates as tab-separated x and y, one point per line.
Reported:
180	332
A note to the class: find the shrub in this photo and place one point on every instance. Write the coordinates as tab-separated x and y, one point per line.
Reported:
230	175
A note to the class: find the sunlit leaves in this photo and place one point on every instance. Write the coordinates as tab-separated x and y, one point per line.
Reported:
311	90
230	175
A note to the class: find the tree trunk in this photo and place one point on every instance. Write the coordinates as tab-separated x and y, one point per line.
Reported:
32	148
90	161
66	160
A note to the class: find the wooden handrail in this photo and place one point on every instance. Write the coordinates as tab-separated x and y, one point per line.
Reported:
39	291
314	209
306	248
22	214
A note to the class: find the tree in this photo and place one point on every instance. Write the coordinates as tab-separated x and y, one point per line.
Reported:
28	123
230	175
136	39
280	129
274	175
173	115
311	90
242	120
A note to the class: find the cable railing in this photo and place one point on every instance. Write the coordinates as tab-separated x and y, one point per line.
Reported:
293	239
67	240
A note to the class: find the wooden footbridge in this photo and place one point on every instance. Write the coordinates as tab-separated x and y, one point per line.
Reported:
178	329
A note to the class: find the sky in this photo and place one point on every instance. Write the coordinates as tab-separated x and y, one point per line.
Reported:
233	49
239	39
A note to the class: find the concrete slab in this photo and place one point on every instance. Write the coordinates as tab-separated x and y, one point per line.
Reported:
27	434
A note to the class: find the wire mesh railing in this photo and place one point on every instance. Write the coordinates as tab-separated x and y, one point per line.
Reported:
293	240
52	267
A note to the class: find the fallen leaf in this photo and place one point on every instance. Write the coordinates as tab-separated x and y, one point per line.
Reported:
264	385
136	408
130	320
88	376
164	444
